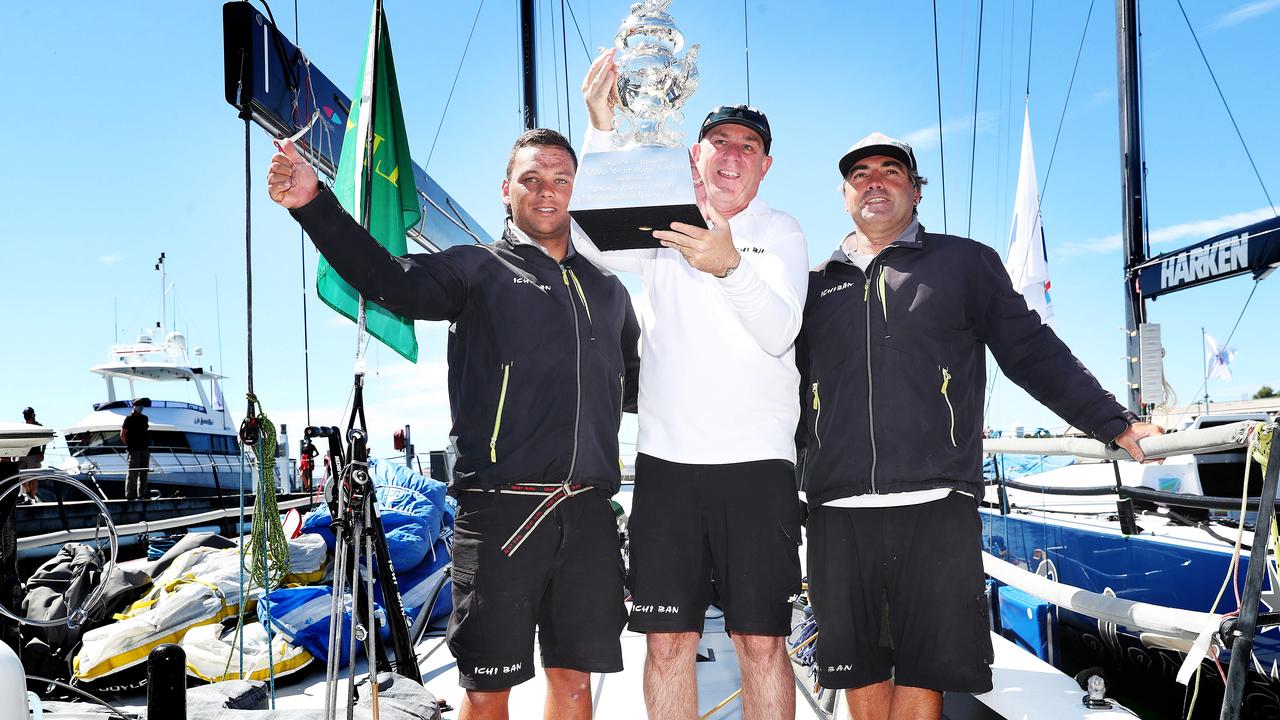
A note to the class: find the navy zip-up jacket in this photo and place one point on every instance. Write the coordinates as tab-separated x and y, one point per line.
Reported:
542	354
893	368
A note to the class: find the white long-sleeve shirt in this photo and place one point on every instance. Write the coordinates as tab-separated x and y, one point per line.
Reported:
718	380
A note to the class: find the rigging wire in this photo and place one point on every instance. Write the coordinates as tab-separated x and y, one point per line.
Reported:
248	249
1031	29
973	143
1142	149
555	66
302	260
453	86
574	17
937	76
1063	115
746	48
518	88
1004	131
564	56
1196	395
1228	109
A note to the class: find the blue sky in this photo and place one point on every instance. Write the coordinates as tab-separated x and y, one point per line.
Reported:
120	147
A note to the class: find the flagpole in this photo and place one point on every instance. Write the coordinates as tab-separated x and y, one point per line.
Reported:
366	170
1205	364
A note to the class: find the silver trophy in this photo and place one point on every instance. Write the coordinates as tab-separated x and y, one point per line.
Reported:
652	82
621	197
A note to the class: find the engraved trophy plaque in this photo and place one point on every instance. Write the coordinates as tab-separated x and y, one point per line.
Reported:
621	197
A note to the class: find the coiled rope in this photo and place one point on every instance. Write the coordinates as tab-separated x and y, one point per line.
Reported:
268	548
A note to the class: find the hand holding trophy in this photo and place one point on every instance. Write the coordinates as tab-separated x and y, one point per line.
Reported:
637	90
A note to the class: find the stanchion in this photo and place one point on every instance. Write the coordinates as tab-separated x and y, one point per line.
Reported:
1242	642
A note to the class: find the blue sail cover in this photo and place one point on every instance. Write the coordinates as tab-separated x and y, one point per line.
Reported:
417	515
301	614
414	509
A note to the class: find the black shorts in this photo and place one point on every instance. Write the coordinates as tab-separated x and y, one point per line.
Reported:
737	525
565	580
898	592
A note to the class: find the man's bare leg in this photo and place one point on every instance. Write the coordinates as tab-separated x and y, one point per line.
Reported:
886	701
768	686
912	703
484	705
670	681
870	702
568	695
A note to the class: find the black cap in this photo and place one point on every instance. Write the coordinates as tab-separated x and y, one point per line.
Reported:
877	144
743	115
28	413
142	402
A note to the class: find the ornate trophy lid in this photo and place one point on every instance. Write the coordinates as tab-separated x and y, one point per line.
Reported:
649	28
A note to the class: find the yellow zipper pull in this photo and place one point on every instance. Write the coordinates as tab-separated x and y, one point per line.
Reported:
577	284
817	404
497	419
951	411
564	274
884	305
866	290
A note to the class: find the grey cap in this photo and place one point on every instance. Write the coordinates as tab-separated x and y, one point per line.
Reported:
877	144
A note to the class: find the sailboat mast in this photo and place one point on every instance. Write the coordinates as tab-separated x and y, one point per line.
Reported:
528	65
1135	311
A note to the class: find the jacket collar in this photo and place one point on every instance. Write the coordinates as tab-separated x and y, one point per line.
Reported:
912	237
514	237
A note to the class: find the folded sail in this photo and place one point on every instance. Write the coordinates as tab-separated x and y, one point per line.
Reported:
1028	261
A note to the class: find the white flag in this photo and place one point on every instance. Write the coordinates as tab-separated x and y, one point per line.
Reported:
1219	358
1027	262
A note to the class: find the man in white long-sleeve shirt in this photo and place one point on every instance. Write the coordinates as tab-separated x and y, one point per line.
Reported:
715	508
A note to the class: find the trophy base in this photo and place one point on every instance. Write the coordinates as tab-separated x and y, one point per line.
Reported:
620	198
631	228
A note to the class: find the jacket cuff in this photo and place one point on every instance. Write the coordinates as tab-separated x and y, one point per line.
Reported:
1114	428
320	206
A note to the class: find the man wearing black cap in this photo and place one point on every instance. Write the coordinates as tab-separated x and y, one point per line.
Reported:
715	502
135	433
893	356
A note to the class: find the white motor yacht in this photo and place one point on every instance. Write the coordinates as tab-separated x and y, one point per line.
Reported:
194	446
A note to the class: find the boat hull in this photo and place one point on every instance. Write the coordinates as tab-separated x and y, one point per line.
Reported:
1144	569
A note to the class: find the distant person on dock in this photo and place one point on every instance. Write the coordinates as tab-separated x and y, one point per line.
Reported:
715	511
893	355
33	460
135	433
542	362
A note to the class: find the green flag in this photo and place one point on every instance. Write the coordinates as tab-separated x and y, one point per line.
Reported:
375	185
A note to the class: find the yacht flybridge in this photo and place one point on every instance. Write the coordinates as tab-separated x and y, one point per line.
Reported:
194	449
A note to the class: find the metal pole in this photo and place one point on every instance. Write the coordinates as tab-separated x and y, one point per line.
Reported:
1135	311
1242	647
529	65
408	448
1204	363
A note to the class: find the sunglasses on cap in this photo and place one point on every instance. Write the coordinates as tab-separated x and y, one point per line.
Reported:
743	115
